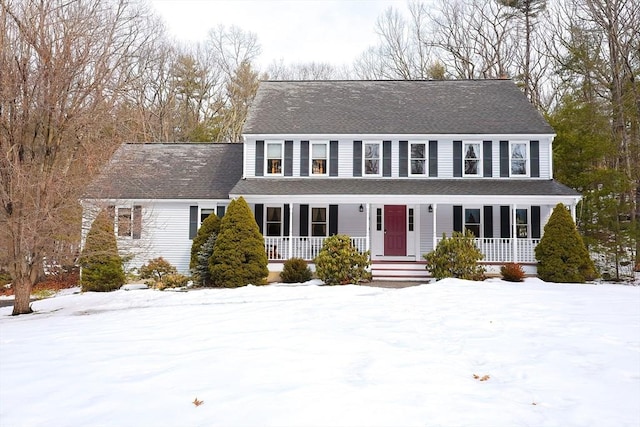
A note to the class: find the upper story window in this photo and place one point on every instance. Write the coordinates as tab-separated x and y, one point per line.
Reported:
318	221
274	158
319	158
274	221
418	160
371	158
472	221
518	155
472	156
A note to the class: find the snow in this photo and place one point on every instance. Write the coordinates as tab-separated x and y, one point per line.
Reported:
554	354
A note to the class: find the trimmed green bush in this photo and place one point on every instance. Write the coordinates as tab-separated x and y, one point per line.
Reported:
239	257
295	270
156	269
561	254
100	262
512	272
201	273
210	225
340	263
456	256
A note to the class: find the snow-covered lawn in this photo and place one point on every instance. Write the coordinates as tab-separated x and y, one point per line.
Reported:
452	353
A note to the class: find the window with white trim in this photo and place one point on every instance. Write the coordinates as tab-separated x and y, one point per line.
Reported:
522	223
128	221
274	221
472	221
471	158
519	156
204	213
319	224
124	222
371	158
274	158
418	159
319	161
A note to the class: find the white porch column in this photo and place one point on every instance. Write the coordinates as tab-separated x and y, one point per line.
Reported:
572	206
434	224
514	241
290	229
368	231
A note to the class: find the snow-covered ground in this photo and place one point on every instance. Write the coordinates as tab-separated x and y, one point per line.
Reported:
451	353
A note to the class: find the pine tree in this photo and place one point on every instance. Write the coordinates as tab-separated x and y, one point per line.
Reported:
239	257
101	264
561	254
210	225
201	273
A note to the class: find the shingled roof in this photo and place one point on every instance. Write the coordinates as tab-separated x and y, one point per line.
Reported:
393	107
169	171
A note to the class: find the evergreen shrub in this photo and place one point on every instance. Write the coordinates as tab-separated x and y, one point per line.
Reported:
340	263
100	262
156	269
295	270
239	257
561	254
210	225
512	272
456	256
201	273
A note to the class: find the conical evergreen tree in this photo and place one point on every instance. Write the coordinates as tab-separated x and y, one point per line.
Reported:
210	225
562	255
239	257
101	264
201	273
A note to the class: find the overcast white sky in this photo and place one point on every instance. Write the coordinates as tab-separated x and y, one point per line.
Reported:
334	31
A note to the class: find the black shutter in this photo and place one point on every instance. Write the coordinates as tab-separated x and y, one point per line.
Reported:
357	158
504	159
304	158
137	222
193	221
457	218
535	222
488	222
304	220
505	222
288	158
285	219
220	211
259	214
333	158
457	158
333	220
534	149
259	158
404	158
433	158
487	166
386	158
111	211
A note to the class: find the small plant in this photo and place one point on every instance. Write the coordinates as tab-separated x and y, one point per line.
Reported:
512	272
172	280
295	270
340	263
456	256
156	269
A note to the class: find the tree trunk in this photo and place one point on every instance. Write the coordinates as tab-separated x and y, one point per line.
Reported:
22	292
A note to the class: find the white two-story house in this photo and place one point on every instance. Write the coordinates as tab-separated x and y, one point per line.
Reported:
393	164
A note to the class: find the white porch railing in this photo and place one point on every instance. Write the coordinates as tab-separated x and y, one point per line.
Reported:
502	250
307	248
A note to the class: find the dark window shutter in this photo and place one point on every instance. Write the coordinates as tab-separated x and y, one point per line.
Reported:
433	158
488	222
259	214
288	158
137	222
333	158
457	218
504	159
534	149
304	158
111	211
333	220
386	158
404	158
220	211
304	220
259	158
505	222
487	165
357	158
193	221
457	158
285	219
535	222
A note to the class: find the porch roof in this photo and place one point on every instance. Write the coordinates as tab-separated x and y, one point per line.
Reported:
435	190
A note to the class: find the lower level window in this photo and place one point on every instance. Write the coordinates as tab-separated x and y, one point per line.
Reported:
124	222
274	221
204	213
472	221
318	221
129	221
522	223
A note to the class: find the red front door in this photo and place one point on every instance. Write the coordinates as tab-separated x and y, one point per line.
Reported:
395	230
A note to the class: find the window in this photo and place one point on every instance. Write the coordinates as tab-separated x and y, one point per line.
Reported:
319	158
522	224
318	221
518	156
372	158
124	222
379	219
274	221
472	156
411	219
204	213
418	161
472	221
274	158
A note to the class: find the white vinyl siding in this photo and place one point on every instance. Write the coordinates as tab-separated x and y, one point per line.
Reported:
345	156
250	159
445	158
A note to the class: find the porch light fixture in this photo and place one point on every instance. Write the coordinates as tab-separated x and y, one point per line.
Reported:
430	209
361	208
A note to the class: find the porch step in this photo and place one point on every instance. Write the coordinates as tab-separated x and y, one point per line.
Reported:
399	270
